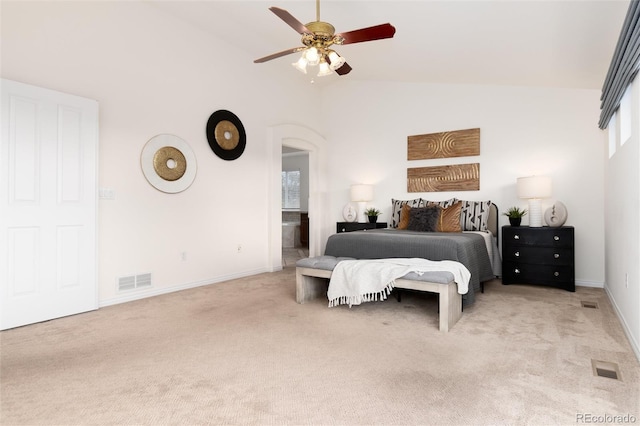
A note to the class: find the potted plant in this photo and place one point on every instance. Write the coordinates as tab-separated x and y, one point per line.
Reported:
515	215
373	214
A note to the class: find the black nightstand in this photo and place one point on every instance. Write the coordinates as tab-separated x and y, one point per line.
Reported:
357	226
543	256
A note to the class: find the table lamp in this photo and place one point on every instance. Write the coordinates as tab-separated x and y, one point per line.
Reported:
360	194
534	189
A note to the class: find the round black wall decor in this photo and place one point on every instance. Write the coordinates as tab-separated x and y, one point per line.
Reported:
226	135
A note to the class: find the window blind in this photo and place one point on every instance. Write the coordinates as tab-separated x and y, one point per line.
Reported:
624	65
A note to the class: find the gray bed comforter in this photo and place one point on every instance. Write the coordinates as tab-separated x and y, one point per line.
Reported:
468	249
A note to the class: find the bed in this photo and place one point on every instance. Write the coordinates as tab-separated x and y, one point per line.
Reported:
475	247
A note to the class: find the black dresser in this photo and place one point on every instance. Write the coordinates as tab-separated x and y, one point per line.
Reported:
357	226
543	256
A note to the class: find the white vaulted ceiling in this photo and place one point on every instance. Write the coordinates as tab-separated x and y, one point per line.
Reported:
566	43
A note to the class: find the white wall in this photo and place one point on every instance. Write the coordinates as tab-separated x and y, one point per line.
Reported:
523	131
623	226
154	74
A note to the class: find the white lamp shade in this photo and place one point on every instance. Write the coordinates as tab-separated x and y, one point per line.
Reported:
324	69
534	187
301	64
312	56
336	60
361	192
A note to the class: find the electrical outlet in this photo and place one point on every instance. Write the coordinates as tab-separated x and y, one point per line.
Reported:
626	280
183	256
239	248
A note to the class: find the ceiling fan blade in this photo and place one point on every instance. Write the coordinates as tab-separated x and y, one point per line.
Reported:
344	69
291	20
278	55
376	32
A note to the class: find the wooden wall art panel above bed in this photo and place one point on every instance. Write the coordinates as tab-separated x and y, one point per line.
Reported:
457	143
456	177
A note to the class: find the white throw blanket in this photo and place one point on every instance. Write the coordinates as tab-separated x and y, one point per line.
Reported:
355	281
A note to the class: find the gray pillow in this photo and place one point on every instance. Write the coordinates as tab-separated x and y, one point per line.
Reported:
424	219
396	209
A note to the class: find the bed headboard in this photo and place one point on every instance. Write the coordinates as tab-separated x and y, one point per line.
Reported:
493	220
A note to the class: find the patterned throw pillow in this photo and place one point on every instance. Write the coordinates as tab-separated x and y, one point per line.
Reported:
450	218
474	215
404	216
396	209
444	203
424	219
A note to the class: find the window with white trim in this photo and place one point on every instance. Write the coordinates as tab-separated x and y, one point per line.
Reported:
625	116
291	189
613	141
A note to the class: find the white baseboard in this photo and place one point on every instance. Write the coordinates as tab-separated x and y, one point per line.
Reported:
594	284
632	341
143	294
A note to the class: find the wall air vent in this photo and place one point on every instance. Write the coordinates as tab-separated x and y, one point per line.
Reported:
133	282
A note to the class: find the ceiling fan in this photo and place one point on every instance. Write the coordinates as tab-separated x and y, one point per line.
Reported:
318	37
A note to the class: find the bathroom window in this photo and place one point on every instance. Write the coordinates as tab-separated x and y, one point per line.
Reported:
291	189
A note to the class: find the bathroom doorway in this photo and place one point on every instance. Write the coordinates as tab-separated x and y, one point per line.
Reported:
295	205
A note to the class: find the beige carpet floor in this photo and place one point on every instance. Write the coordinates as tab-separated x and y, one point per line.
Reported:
291	255
244	352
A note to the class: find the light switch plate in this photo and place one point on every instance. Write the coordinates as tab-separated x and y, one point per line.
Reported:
107	194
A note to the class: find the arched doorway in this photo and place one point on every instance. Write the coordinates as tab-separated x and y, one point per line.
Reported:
301	138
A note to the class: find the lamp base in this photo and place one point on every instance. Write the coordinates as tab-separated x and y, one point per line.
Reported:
362	218
535	213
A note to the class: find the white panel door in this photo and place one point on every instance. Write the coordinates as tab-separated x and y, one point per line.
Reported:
48	172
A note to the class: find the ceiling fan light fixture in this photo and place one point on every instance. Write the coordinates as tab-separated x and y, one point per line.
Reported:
324	69
336	60
301	64
312	56
319	36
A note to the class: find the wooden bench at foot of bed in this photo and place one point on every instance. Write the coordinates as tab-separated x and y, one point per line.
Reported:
311	283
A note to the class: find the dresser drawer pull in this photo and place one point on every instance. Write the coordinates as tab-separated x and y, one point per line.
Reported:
516	254
556	274
517	271
556	238
516	237
556	256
